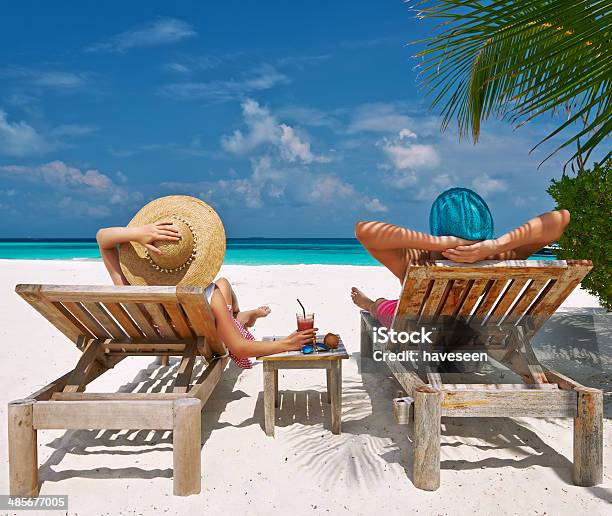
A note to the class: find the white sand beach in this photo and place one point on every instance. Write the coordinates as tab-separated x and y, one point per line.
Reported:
489	466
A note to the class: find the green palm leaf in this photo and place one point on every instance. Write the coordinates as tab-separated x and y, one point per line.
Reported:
519	60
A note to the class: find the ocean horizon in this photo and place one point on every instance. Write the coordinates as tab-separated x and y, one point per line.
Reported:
240	251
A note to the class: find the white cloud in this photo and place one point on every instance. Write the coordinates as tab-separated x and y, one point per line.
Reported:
20	139
58	175
374	205
189	64
270	186
265	185
411	156
328	187
59	79
404	119
264	128
83	208
524	201
293	148
485	185
158	32
406	133
401	178
262	78
378	117
435	186
305	115
265	181
177	67
405	158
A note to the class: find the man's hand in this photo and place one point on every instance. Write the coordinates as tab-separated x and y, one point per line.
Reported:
452	242
162	230
471	253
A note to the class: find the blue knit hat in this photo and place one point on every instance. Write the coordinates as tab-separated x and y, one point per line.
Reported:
461	212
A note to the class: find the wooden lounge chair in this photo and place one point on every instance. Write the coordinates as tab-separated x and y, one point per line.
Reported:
507	302
108	324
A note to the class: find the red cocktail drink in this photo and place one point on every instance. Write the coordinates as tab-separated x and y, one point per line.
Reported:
305	322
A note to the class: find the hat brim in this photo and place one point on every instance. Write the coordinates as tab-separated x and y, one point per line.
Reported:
209	245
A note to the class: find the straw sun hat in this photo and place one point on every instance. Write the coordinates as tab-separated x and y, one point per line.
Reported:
193	260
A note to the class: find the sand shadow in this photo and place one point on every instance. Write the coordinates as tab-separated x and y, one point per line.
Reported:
153	378
579	346
575	342
306	407
505	434
372	441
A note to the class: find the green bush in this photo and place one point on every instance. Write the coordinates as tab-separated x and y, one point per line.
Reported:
588	197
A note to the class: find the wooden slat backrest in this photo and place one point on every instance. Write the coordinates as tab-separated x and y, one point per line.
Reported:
492	292
145	314
123	318
142	320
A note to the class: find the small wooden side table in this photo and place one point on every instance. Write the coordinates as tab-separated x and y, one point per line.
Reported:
331	361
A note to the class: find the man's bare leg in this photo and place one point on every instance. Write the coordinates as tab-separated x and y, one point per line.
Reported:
364	302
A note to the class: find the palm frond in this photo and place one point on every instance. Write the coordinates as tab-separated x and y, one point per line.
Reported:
519	60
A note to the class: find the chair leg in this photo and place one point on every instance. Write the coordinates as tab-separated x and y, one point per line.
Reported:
335	393
588	438
276	393
186	441
269	398
23	449
426	451
366	340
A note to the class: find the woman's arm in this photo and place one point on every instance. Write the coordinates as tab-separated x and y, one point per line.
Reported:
395	247
242	347
518	243
109	238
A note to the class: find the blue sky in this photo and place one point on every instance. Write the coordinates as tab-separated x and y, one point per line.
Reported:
290	118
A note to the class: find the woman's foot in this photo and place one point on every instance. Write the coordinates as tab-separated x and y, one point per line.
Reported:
360	299
249	317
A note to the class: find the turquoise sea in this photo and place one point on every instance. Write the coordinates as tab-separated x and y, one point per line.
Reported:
240	251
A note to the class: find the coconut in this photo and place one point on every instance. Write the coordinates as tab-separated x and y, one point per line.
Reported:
331	340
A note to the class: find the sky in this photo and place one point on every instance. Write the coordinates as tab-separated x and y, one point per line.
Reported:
291	119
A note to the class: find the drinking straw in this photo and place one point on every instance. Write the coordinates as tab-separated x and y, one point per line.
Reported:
303	309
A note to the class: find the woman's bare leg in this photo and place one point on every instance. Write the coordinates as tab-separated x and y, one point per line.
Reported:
247	317
228	294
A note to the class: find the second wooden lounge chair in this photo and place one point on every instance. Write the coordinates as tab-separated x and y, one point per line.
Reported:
108	324
506	303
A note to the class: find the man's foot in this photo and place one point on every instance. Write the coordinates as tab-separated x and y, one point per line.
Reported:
360	299
249	317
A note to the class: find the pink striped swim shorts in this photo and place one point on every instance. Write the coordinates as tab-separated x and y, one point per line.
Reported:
385	311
